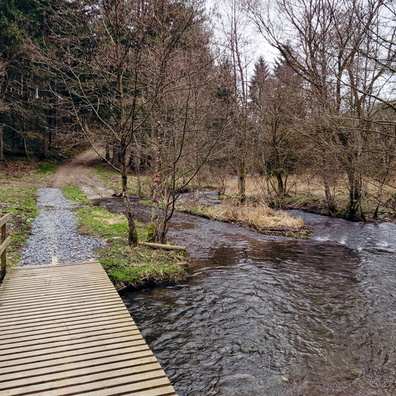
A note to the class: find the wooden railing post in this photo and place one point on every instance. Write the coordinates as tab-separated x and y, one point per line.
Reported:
4	242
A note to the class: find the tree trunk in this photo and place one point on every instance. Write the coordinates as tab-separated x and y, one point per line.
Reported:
45	145
107	153
161	229
355	195
1	144
281	185
116	156
331	207
241	183
132	232
156	231
154	210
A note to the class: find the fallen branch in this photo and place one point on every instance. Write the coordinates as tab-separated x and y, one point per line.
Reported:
162	246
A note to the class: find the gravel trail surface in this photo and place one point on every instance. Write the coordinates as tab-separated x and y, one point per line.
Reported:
54	237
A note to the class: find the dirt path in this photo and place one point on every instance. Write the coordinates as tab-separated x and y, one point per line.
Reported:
78	172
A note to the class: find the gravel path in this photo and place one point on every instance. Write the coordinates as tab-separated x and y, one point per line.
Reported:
54	237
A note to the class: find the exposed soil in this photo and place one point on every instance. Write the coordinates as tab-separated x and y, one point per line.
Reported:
78	172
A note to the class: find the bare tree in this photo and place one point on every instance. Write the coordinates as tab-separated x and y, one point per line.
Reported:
180	139
101	51
235	42
277	105
129	81
322	40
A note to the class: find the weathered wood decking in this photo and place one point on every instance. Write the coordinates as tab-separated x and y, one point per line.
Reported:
65	331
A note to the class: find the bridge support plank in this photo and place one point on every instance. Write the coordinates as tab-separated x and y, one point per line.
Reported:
64	330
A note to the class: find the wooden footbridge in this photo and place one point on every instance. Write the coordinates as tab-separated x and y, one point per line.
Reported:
64	330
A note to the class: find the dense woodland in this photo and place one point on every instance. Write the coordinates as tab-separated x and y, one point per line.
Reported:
150	84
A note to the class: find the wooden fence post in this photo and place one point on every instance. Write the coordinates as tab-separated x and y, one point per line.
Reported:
4	242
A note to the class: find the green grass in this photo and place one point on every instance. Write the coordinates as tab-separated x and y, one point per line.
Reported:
112	179
47	167
126	266
73	193
20	201
146	202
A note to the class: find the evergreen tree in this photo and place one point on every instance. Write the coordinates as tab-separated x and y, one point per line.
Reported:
23	88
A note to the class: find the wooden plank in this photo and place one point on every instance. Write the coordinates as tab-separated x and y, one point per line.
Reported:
91	381
77	350
65	357
12	298
14	330
88	335
12	304
32	363
45	367
74	375
15	326
33	331
64	330
71	314
163	246
38	281
126	390
5	219
65	309
5	244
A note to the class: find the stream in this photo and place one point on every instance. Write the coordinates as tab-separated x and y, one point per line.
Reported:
263	315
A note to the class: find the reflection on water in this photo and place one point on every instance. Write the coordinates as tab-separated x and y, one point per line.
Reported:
273	316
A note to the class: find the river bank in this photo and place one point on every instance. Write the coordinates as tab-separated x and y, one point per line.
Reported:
18	189
268	315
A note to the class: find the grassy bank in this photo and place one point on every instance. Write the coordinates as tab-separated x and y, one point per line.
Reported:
126	267
19	182
20	201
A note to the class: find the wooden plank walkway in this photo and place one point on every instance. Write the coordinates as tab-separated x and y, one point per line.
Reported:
64	330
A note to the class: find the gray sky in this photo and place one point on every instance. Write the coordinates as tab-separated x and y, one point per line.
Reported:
257	45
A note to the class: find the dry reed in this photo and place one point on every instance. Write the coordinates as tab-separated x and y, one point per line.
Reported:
261	216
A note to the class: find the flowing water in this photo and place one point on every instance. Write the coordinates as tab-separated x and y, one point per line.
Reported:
264	315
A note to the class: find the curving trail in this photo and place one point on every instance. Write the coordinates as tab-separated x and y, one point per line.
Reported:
54	237
78	172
